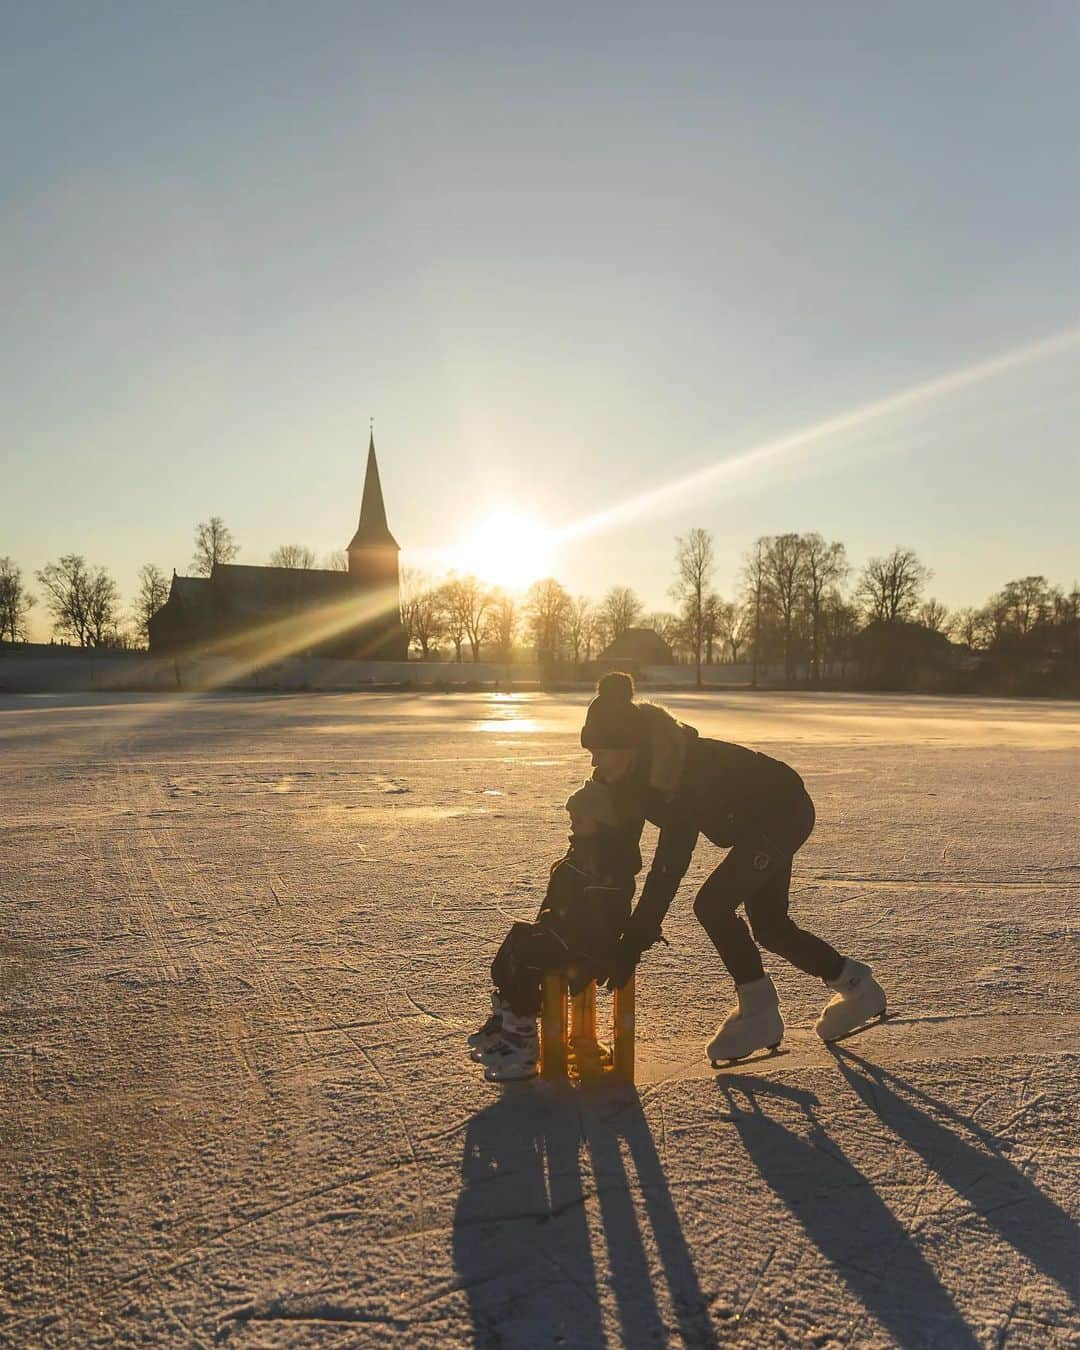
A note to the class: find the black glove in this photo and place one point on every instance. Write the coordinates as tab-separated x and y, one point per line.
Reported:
635	940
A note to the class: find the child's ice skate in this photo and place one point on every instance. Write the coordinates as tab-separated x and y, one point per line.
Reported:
858	999
516	1054
755	1024
485	1037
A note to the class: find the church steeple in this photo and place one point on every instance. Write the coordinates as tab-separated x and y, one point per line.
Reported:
372	530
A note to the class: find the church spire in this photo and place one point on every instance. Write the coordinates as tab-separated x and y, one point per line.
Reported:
372	531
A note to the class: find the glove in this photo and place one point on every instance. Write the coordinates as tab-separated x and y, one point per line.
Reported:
623	965
628	953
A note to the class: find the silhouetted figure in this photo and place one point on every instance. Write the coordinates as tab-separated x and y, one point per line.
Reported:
759	809
585	908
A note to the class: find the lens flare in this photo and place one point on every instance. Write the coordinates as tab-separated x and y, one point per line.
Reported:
776	454
505	548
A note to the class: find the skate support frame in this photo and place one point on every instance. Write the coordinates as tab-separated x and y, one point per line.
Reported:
569	1047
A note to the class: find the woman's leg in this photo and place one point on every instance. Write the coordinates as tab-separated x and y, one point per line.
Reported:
715	908
767	904
774	929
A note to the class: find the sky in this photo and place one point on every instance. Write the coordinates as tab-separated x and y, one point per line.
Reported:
566	256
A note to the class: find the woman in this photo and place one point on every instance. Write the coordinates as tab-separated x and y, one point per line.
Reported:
759	809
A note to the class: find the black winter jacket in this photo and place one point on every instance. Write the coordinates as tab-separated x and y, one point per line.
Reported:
725	792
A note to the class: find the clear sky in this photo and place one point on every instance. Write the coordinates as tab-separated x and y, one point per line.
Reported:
565	255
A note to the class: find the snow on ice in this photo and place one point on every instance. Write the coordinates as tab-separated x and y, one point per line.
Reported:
243	939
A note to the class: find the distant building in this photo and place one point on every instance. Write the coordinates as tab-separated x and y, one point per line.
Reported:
644	646
292	611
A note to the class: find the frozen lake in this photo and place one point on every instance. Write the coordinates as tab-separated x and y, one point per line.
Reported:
243	938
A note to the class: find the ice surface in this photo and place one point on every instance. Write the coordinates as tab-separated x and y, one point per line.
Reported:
243	938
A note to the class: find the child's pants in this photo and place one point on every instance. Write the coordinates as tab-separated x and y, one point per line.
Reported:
526	952
757	873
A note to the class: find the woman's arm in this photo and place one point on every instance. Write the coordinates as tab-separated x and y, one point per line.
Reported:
674	850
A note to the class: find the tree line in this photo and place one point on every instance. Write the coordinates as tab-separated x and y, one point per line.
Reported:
796	614
84	602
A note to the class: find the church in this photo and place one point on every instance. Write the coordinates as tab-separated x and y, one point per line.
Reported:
290	611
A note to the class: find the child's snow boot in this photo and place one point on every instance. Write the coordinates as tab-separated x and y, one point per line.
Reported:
858	999
754	1025
516	1054
486	1036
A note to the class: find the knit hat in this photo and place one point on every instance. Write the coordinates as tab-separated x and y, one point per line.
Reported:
613	721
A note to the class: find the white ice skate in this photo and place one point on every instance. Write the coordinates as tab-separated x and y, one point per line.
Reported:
516	1054
486	1036
755	1024
858	999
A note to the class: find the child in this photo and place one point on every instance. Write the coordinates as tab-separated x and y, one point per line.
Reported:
585	906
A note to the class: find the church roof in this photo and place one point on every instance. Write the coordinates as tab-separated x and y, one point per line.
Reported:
372	531
190	591
242	589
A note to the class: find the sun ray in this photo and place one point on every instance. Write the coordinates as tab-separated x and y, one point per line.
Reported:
775	453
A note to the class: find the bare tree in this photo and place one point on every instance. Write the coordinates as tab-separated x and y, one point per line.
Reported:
824	569
412	583
15	602
756	586
713	621
213	544
84	602
427	620
67	596
547	613
889	588
337	560
736	626
152	594
785	576
1027	603
620	610
593	632
579	625
932	614
454	613
103	610
970	627
694	566
502	623
476	600
839	626
466	602
292	555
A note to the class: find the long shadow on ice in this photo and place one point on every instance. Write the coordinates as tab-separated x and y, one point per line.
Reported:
842	1214
997	1190
522	1246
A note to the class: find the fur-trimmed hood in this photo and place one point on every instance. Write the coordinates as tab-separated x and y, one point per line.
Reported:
667	743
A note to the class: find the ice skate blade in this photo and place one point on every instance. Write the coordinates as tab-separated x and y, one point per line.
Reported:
764	1052
868	1025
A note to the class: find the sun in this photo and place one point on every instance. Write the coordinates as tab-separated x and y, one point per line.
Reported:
506	548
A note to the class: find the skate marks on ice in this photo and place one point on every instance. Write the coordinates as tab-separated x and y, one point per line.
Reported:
898	1038
972	1161
900	1260
565	1230
842	1214
866	1209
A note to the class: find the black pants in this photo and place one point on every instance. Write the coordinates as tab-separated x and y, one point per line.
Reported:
576	932
517	969
757	873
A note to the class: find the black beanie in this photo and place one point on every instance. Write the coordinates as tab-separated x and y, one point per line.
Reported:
613	721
